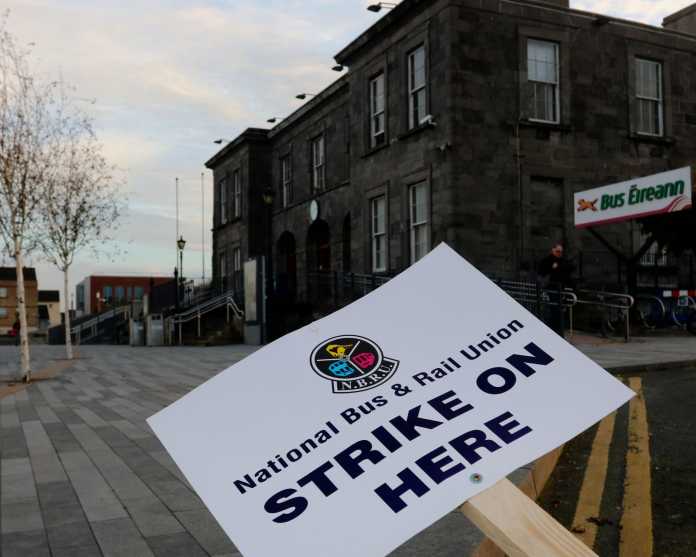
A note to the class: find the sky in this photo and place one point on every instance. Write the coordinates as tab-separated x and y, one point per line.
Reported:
164	78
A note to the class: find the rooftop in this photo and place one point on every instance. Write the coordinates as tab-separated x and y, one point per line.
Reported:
10	273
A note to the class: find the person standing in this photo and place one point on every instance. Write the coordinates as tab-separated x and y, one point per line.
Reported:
558	273
16	327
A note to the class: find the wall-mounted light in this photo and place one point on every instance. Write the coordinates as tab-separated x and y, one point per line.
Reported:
381	5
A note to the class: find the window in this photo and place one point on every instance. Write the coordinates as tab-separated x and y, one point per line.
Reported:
237	269
3	312
543	77
236	195
649	97
318	163
129	293
419	221
416	87
139	292
377	119
120	294
107	294
286	180
378	230
223	271
223	201
3	292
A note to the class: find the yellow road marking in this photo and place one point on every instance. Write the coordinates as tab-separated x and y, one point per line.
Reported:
590	498
636	522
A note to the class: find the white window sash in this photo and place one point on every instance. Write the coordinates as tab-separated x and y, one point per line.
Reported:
553	82
377	107
419	224
378	216
318	163
414	89
223	202
656	102
286	180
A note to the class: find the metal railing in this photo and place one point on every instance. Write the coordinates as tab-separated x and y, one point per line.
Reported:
612	302
91	326
225	300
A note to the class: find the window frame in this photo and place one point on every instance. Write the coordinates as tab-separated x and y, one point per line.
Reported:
378	235
286	180
223	200
4	312
3	292
413	225
557	84
659	101
375	113
318	167
236	195
414	91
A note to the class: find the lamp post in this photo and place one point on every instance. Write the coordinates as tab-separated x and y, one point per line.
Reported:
267	197
180	244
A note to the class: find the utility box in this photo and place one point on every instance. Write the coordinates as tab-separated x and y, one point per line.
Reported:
136	333
155	329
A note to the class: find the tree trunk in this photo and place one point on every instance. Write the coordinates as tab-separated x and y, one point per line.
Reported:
66	298
22	310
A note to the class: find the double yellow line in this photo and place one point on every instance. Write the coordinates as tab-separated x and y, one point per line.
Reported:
636	538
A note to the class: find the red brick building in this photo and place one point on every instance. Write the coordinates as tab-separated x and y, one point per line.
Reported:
97	293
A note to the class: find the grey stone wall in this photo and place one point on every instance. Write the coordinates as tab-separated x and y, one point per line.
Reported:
500	185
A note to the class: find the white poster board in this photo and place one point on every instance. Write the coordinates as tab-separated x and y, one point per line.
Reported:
666	192
353	434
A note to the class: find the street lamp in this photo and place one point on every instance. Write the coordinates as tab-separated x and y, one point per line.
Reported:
180	244
379	5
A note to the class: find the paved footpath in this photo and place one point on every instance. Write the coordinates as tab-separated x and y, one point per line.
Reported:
83	475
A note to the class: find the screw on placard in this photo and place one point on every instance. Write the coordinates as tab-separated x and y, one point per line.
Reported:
476	478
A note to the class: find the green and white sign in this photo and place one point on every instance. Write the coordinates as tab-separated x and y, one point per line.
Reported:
666	192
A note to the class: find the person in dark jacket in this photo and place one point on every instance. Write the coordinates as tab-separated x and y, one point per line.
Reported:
557	270
16	327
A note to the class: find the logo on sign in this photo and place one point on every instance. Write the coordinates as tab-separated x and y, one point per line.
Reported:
352	363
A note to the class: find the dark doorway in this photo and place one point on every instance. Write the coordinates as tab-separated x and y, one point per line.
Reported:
347	263
286	267
318	247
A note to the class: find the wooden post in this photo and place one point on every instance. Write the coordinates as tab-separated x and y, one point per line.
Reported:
519	526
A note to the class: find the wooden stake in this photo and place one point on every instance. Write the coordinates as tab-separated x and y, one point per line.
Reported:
519	526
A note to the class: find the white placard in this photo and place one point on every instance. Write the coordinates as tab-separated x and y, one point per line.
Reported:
666	192
434	378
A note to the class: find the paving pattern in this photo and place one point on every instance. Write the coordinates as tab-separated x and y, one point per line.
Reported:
82	473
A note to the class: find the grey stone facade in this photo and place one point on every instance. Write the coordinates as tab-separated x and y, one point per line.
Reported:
499	184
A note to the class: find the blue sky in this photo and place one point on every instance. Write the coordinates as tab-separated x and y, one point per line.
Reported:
170	76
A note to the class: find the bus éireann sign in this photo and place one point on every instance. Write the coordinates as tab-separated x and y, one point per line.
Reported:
666	192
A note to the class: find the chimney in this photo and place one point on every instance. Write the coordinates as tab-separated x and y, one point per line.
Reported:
683	20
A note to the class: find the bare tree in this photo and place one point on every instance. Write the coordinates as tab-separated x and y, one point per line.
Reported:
81	206
29	118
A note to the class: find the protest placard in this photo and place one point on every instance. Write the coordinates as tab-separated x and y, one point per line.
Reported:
352	434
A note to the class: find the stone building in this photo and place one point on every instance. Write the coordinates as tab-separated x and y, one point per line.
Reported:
465	121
